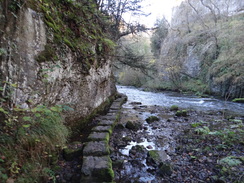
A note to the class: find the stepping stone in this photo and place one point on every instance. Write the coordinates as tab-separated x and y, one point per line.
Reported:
113	111
103	129
115	107
108	117
96	148
99	168
96	136
106	123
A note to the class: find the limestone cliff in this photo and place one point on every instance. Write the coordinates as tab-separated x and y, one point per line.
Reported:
37	69
204	43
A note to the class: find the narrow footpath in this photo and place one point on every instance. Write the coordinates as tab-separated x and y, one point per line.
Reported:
97	165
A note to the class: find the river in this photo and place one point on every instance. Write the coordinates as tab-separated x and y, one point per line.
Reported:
167	99
131	147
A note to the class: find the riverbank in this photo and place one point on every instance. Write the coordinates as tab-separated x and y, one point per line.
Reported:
190	146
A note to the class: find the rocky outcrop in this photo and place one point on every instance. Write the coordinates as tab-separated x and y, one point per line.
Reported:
193	10
67	81
202	45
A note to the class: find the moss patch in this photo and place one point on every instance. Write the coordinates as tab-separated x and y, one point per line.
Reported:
73	24
152	119
238	100
182	113
174	108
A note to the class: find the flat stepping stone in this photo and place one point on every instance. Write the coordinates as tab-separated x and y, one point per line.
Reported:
103	129
106	123
115	107
98	167
96	136
108	117
96	148
113	111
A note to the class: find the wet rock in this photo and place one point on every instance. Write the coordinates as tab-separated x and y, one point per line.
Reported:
174	108
119	126
136	103
165	168
132	126
96	148
118	164
139	152
152	119
157	157
182	113
127	139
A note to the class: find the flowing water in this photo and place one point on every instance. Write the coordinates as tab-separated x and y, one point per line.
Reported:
167	99
159	135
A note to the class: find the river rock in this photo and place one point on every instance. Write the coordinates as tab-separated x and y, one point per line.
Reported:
157	157
132	126
165	168
152	119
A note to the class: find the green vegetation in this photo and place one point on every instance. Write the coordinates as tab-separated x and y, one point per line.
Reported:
152	119
181	113
154	154
30	141
219	51
220	142
75	24
158	36
238	100
174	108
134	63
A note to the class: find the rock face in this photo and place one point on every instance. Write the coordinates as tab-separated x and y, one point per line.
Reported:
65	81
201	45
200	8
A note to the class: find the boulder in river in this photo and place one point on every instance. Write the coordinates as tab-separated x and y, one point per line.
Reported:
152	119
133	125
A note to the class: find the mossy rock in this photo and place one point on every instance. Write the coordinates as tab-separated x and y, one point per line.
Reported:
238	100
98	168
132	126
69	153
182	113
157	157
165	169
152	119
106	175
118	164
119	126
174	108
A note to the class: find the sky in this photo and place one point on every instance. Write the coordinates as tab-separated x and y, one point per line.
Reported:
158	9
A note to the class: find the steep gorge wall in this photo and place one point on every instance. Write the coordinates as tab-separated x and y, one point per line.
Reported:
67	80
205	43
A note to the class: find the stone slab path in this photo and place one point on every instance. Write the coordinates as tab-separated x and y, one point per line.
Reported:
97	165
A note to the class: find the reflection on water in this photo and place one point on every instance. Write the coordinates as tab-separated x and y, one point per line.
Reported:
168	99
